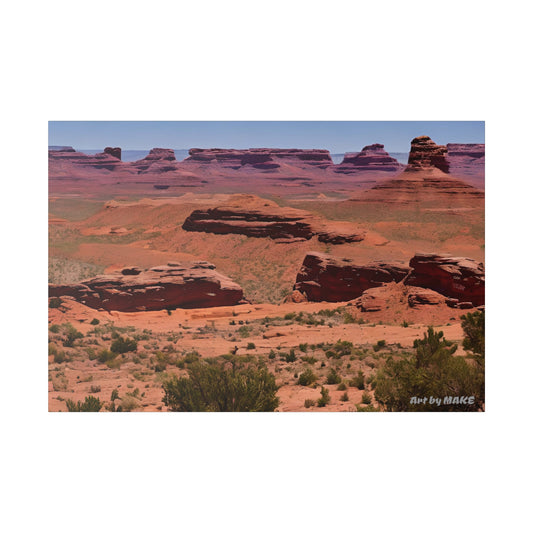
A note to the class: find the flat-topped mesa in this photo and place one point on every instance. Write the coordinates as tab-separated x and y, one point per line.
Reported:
466	159
176	285
426	155
458	278
371	158
255	217
70	157
324	278
261	158
115	152
158	160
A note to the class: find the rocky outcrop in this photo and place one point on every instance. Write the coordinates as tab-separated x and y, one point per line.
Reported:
255	217
261	158
458	278
58	159
175	285
115	152
331	279
419	297
371	158
427	155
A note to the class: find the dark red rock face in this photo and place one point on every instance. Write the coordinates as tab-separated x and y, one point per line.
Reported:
324	278
267	158
371	158
115	152
268	220
183	285
75	159
455	277
276	223
426	155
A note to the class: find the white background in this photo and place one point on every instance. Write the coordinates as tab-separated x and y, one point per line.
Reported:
409	60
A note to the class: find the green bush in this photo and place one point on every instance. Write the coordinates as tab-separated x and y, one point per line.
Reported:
54	328
367	398
433	371
333	377
54	303
348	318
342	386
250	346
358	381
227	384
307	377
303	347
379	345
123	345
72	335
90	404
105	355
344	397
95	388
324	397
94	322
309	403
59	357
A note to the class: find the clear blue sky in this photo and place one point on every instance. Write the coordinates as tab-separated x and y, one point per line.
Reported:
338	137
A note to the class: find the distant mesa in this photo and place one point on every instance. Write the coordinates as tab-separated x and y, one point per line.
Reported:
371	158
425	179
54	148
466	159
176	285
426	155
255	217
115	152
261	158
325	278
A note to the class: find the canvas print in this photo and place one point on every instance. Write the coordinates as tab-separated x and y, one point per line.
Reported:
266	266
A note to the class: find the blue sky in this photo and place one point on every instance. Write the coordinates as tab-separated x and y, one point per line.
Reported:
338	137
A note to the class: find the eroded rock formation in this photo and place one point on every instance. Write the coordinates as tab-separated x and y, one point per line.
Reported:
175	285
332	279
466	159
458	278
255	217
371	158
426	155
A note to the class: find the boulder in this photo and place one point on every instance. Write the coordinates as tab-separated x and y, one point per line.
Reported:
418	297
454	277
175	285
333	279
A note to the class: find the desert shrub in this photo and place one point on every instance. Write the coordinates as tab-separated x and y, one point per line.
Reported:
59	357
379	345
114	363
367	409
289	316
244	331
52	348
309	359
405	324
290	357
250	346
344	397
105	355
366	398
358	381
191	357
324	399
54	303
71	335
348	318
303	347
272	354
333	377
94	322
227	384
123	345
95	388
473	325
309	403
432	371
129	403
307	377
90	404
342	386
54	328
